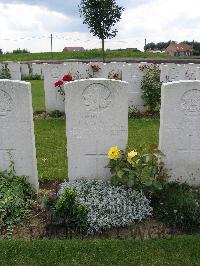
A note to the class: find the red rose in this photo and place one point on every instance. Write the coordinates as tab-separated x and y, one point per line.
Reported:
67	77
58	83
115	76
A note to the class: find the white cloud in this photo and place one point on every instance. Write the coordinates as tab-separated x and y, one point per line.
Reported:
156	20
160	20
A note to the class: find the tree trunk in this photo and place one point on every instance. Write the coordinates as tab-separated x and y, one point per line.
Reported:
103	50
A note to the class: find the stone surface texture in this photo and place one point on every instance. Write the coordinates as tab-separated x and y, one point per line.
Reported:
180	130
132	74
53	72
14	68
17	140
96	118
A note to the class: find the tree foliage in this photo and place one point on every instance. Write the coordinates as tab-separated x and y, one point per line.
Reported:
101	17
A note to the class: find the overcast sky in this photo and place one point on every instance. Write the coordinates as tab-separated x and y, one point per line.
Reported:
29	23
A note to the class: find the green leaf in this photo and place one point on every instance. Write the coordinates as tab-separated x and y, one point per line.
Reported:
120	173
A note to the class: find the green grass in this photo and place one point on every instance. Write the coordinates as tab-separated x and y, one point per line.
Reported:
51	144
37	87
80	55
51	149
183	251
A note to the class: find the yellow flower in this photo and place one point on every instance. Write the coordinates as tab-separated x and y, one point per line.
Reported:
113	153
131	155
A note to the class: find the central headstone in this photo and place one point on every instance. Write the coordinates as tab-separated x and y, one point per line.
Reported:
180	130
96	118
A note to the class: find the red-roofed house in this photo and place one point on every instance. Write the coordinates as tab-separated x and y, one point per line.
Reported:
73	49
179	49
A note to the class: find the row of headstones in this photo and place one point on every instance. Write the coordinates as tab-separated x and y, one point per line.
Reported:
131	73
176	72
22	71
96	119
13	68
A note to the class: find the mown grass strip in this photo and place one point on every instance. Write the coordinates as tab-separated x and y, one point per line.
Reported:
184	251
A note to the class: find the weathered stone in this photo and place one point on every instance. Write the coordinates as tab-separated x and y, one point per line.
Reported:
96	118
14	68
180	130
132	74
172	72
54	72
24	68
190	71
37	69
17	140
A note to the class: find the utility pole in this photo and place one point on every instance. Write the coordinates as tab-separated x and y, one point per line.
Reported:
51	45
145	43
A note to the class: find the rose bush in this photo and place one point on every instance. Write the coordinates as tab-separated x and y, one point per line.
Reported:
141	170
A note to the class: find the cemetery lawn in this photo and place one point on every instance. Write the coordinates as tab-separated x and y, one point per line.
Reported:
184	251
80	55
51	144
38	100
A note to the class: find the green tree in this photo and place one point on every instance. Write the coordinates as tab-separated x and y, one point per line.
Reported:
101	17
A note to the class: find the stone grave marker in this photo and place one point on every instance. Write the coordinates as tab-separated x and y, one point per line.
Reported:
190	71
17	140
180	130
96	119
37	69
14	68
54	72
132	74
111	70
172	72
24	68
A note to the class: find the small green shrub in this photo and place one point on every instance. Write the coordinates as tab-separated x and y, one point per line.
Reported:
5	73
140	170
133	112
16	199
178	206
56	114
32	77
151	87
67	210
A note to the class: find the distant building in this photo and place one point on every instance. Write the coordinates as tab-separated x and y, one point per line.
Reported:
73	49
179	49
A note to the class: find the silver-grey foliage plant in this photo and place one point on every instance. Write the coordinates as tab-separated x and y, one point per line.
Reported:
109	206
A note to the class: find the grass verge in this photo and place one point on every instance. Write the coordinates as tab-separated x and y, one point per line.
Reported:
176	251
38	97
80	55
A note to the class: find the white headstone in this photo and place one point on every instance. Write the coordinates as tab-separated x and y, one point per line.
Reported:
180	130
111	70
37	69
190	71
17	140
96	118
172	72
24	70
54	72
53	99
14	68
132	74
